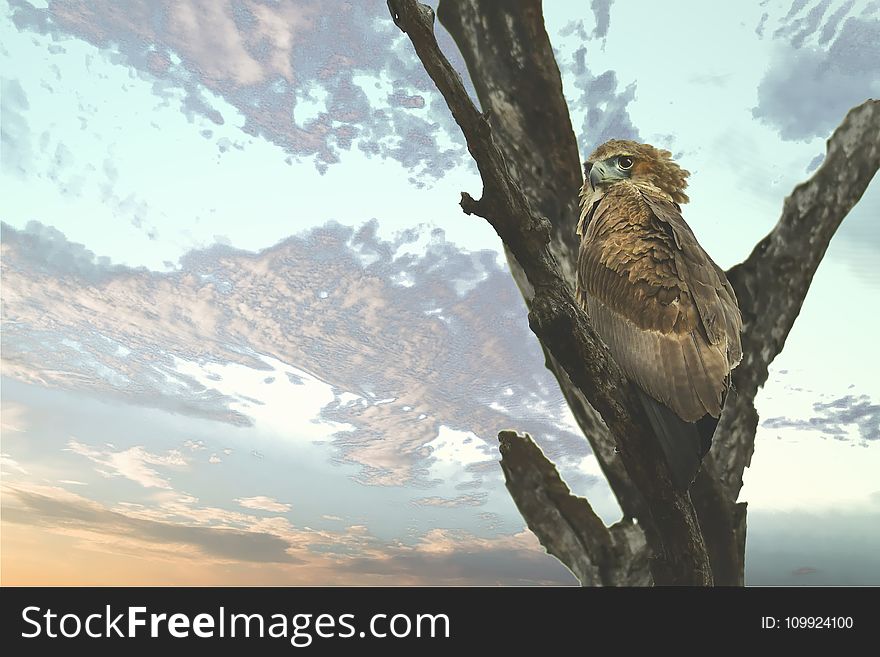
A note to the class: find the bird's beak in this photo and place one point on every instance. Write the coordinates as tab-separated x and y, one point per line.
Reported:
599	174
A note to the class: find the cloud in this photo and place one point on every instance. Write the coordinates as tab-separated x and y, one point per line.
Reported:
832	418
133	463
271	60
815	162
455	557
809	87
13	417
80	356
9	466
451	348
759	28
184	536
474	499
15	134
798	29
602	12
47	247
58	510
597	99
207	34
834	20
263	503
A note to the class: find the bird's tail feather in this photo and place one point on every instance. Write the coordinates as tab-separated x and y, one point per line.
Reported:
684	443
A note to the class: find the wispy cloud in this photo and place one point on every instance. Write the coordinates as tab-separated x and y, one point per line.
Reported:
133	463
836	417
9	465
263	503
598	104
13	418
473	499
61	511
819	55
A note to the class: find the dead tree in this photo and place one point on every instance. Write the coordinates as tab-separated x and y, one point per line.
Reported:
527	156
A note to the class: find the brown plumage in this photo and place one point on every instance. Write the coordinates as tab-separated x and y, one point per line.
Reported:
663	307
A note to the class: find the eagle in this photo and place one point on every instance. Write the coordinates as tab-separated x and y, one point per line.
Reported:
666	311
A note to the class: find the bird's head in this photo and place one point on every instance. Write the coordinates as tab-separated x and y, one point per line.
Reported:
619	159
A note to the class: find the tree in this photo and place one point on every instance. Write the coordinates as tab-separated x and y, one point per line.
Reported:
528	160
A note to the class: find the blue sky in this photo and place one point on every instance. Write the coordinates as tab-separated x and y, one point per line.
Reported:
249	336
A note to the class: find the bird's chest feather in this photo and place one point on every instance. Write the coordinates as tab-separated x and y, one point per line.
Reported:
627	238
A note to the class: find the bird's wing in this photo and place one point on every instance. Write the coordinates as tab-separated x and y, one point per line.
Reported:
714	297
655	297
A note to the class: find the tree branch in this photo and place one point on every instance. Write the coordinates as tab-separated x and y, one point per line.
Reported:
566	524
516	66
679	553
772	283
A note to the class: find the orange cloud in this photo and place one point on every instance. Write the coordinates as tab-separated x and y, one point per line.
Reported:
130	546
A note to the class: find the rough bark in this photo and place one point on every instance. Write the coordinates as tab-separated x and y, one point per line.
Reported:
678	551
567	525
531	173
536	137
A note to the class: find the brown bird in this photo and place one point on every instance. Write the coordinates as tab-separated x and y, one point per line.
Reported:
655	297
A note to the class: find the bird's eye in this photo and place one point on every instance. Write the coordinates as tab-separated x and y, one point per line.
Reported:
625	162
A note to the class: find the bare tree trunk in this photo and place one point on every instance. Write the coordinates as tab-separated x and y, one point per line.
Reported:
531	172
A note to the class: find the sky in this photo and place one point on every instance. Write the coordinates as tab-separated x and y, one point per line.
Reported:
248	337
